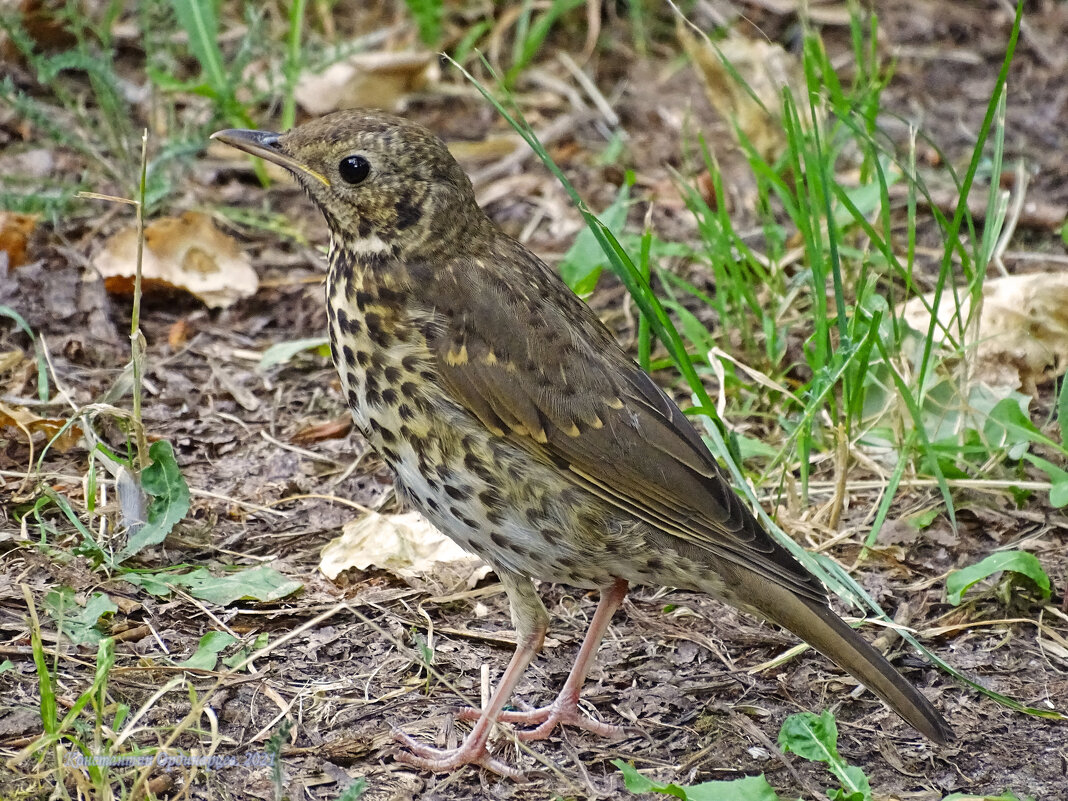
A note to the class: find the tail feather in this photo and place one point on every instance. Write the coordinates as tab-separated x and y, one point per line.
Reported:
821	628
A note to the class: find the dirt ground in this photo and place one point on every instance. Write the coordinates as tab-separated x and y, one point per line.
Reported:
681	677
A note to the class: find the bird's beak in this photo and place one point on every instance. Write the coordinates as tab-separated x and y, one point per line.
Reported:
265	145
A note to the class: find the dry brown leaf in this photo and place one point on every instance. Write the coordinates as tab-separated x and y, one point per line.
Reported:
1023	328
186	252
331	429
15	232
28	424
406	545
764	66
367	80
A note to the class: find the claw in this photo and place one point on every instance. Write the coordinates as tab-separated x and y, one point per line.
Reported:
445	760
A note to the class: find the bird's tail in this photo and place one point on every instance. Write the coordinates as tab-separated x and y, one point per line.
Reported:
821	628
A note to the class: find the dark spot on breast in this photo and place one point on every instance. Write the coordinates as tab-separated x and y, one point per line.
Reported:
473	464
387	295
333	350
389	395
467	521
550	535
363	358
405	412
364	228
390	455
350	357
410	363
409	390
498	539
432	505
457	493
392	374
354	399
654	563
372	395
429	376
371	383
388	436
408	214
347	324
362	299
376	330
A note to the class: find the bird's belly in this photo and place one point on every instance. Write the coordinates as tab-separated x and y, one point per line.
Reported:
484	491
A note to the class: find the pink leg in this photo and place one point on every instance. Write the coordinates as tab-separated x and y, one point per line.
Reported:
565	708
531	622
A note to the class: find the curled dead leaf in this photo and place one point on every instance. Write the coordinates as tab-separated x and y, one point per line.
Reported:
29	425
1022	339
755	108
15	232
187	253
367	80
406	545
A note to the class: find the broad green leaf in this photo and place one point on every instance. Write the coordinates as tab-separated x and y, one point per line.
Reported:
207	653
1009	425
1058	492
1021	562
260	584
816	738
749	788
282	352
585	259
79	623
170	499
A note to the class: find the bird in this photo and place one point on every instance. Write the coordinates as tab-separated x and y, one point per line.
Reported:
519	427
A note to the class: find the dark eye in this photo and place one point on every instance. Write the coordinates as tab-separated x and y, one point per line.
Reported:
354	169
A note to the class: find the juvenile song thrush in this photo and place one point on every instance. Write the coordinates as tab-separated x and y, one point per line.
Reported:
517	425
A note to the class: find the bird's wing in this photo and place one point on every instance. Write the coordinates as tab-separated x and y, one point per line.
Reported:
533	363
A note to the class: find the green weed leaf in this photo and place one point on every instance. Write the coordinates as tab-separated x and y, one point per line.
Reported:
584	260
749	788
1021	562
170	499
79	623
283	352
207	653
816	738
260	584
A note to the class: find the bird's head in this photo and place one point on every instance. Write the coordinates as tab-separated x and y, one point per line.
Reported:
387	187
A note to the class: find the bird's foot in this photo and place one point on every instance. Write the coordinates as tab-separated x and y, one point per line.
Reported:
444	760
564	710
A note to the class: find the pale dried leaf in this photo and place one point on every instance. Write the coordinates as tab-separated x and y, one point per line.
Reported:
367	80
1023	328
406	545
186	252
765	67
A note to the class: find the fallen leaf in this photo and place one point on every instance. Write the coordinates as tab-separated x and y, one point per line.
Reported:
367	80
1022	339
15	232
29	424
406	545
331	429
755	108
187	253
